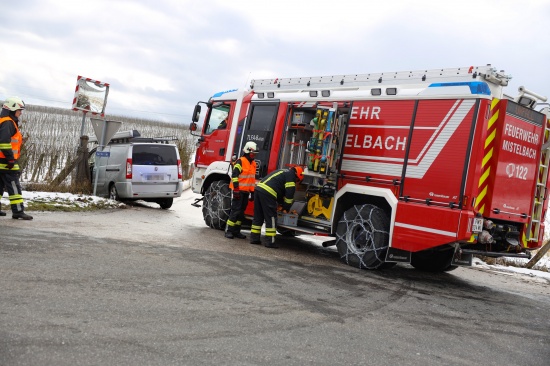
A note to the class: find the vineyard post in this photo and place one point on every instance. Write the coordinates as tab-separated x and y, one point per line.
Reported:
83	123
83	167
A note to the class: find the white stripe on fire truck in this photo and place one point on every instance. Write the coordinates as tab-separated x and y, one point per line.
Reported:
430	152
425	229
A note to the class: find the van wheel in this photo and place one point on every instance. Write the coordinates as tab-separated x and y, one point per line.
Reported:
362	237
165	203
113	193
433	261
217	205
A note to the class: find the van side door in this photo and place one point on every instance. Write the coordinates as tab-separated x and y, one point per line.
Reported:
115	170
101	162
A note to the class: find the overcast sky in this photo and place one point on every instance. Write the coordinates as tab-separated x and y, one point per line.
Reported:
162	56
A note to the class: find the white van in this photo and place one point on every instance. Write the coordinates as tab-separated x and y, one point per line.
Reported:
138	168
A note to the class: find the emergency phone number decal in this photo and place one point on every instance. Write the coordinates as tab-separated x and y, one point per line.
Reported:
516	171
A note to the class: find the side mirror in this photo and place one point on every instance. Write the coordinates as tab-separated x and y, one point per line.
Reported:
193	127
196	114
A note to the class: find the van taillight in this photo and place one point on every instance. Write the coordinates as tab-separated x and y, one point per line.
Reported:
180	172
128	168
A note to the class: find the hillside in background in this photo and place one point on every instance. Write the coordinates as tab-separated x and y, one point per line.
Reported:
52	136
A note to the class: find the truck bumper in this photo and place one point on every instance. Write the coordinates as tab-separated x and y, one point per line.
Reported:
128	190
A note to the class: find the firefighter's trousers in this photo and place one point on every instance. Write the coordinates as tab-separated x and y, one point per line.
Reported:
265	209
10	182
236	215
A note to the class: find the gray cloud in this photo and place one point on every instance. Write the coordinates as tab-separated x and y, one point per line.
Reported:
161	57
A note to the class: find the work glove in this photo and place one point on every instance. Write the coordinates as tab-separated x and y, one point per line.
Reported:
10	164
251	197
236	195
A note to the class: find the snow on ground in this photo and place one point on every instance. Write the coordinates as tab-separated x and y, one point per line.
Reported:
61	200
542	268
544	263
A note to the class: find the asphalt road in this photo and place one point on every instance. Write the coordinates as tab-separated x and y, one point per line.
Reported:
144	286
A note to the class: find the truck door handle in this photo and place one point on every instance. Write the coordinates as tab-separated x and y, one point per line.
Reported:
222	151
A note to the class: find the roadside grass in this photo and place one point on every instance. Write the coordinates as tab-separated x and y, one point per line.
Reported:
80	204
64	198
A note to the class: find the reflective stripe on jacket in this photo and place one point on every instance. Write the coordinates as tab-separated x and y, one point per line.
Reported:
244	175
14	144
281	184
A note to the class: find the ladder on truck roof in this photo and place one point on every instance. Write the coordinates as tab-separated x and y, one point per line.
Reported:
533	230
458	74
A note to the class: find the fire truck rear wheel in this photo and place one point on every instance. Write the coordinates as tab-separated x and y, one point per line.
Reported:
433	261
362	236
217	205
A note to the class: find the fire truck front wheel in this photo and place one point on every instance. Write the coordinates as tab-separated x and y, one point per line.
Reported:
362	236
217	205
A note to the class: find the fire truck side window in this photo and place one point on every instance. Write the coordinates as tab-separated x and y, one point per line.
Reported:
263	117
218	119
260	130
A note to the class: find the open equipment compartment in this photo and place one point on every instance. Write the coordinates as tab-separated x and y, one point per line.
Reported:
314	141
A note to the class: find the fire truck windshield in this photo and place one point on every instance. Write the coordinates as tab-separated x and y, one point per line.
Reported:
217	119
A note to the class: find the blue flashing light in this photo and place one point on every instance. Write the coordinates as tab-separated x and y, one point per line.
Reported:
476	87
219	94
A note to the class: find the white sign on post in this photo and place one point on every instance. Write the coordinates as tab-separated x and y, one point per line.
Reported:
111	127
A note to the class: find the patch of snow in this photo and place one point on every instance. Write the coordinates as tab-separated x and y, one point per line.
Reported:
543	263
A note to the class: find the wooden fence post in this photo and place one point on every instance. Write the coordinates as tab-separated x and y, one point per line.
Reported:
83	167
542	251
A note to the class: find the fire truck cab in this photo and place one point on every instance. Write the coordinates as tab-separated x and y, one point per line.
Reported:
426	167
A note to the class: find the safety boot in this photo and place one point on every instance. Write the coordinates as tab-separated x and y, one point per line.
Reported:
21	215
255	239
2	213
239	235
229	235
270	244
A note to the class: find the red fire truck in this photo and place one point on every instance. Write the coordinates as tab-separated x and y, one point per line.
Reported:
426	167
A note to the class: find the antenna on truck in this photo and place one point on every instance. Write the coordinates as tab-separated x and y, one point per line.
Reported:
248	78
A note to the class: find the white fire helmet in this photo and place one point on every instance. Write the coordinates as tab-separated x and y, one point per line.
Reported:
250	147
14	104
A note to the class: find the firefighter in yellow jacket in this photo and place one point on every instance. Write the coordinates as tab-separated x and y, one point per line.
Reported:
10	150
277	187
242	183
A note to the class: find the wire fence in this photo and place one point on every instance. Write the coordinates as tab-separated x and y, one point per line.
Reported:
52	135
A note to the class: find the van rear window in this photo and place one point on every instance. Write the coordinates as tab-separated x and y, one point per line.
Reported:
154	155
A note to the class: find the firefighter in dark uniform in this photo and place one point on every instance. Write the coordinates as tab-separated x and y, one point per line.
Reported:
277	187
242	183
2	213
11	140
